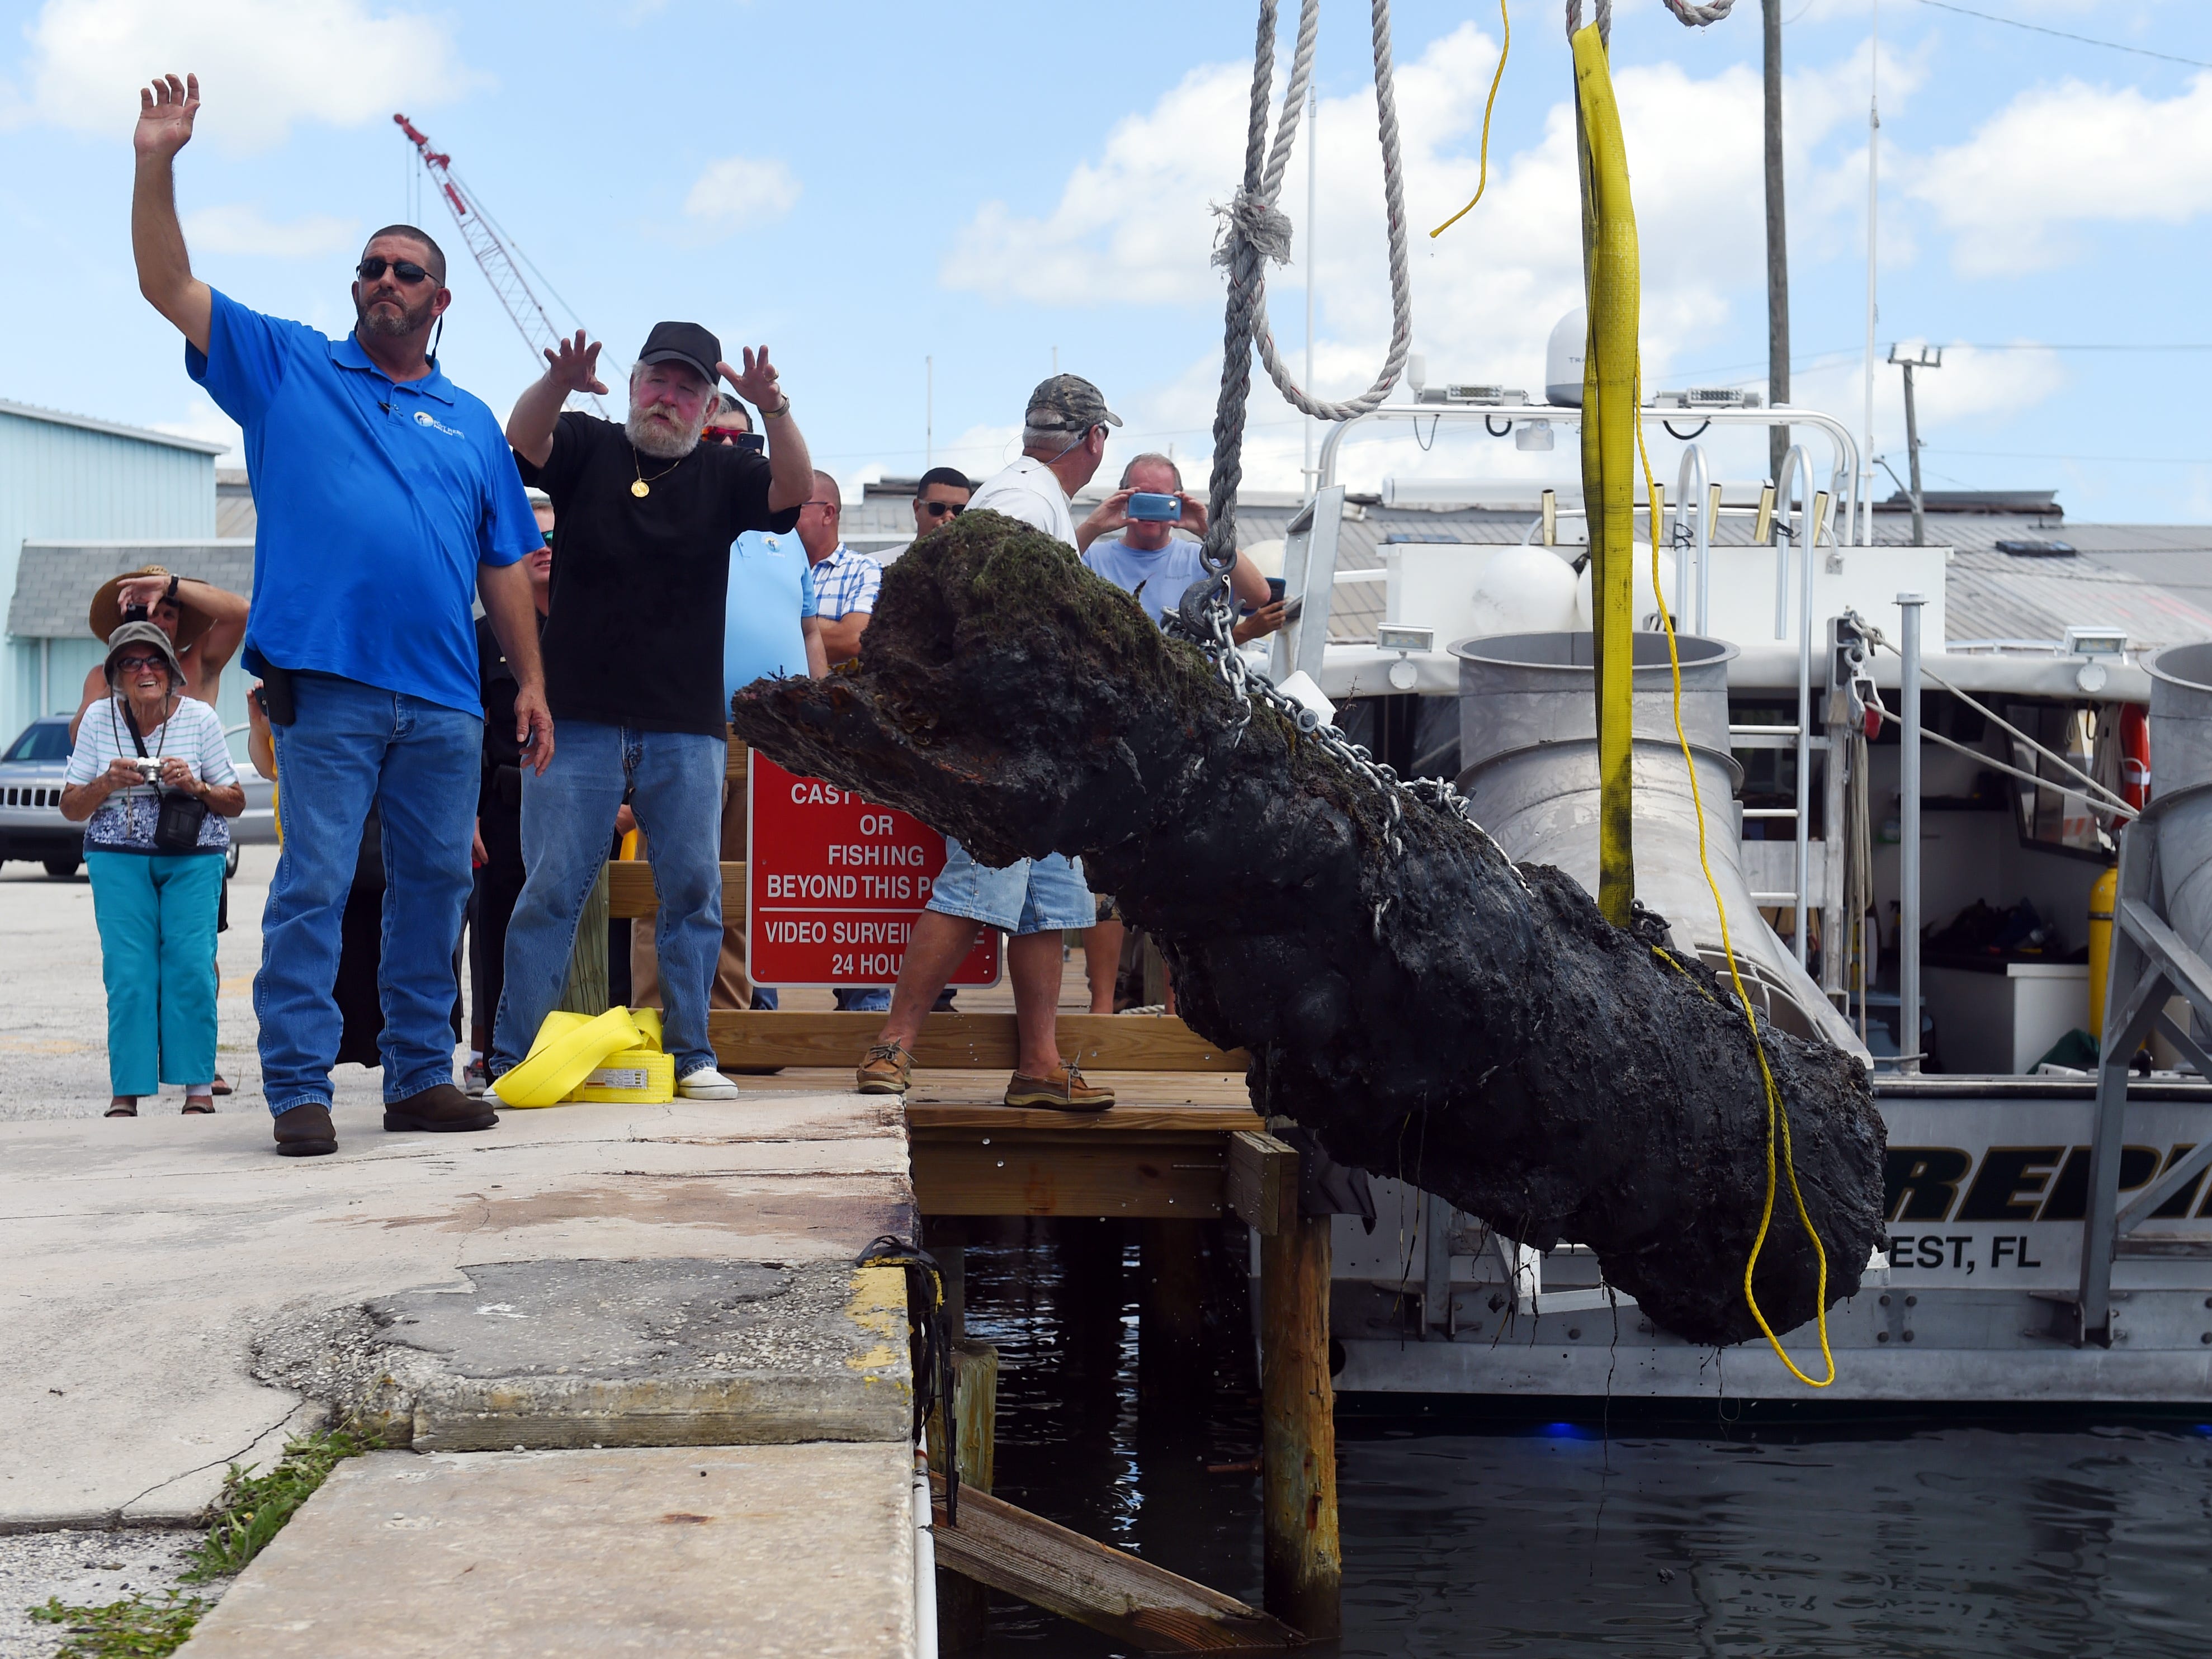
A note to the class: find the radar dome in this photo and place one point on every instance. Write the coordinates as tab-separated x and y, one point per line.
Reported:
1563	360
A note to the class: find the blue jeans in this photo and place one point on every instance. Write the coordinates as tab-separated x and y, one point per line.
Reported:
156	918
419	761
674	780
864	998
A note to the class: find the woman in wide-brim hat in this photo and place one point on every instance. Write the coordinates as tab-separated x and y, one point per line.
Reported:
151	780
204	622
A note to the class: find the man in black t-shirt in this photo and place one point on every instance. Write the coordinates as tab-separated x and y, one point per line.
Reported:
633	650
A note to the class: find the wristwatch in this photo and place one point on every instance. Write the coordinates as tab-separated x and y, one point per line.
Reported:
170	597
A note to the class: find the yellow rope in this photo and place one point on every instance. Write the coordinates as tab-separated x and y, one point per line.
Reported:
1482	183
1775	1107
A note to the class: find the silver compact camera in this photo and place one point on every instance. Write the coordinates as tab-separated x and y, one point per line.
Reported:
149	766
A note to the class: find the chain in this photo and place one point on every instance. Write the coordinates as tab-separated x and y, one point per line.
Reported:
1203	617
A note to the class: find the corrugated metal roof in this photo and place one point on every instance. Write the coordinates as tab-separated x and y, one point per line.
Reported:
55	580
61	417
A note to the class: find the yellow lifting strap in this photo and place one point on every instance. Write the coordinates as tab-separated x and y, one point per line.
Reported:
1611	280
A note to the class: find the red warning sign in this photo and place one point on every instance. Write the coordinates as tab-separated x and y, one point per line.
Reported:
833	884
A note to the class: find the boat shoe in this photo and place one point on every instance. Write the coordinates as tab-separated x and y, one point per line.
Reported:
1065	1090
887	1069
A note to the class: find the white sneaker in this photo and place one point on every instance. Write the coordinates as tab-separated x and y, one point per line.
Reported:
706	1084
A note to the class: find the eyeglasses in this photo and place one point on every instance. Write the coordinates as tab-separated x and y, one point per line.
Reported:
830	506
405	269
940	509
132	665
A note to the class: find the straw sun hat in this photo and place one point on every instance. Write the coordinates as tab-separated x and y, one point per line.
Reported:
107	612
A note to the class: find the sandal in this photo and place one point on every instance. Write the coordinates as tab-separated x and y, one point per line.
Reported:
198	1106
219	1087
123	1106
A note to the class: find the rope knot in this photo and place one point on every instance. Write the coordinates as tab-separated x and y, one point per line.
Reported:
1250	219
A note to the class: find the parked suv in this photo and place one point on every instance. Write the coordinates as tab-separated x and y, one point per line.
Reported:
32	826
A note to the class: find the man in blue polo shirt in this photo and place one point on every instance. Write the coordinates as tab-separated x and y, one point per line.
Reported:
386	499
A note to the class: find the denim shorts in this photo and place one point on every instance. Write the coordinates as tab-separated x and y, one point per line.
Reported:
1030	895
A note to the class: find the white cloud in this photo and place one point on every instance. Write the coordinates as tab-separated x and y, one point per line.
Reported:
2057	159
263	65
741	192
1135	225
238	228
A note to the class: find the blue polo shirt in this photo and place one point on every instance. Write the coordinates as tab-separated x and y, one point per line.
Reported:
771	592
376	501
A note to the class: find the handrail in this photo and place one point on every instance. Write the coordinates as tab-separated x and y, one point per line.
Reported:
1796	467
1857	520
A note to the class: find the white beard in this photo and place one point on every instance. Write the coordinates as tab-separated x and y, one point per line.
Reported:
653	437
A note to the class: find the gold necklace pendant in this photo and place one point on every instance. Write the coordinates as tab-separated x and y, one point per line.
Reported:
641	488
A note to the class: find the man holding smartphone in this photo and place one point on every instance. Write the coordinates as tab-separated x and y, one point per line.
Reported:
386	499
1146	555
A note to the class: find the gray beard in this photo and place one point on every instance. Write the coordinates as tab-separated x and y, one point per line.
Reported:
655	440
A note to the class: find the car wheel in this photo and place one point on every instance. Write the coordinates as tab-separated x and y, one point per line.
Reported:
230	860
64	867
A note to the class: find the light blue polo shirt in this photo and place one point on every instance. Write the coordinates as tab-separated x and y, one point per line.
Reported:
771	591
376	502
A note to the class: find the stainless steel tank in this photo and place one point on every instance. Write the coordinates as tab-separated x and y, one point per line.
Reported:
2181	759
1529	750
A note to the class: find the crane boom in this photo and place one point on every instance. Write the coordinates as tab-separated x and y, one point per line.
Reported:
499	266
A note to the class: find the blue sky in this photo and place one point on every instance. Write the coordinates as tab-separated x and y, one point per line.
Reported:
863	185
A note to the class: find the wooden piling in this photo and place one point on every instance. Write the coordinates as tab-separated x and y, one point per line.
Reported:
1303	1560
1172	1311
963	1604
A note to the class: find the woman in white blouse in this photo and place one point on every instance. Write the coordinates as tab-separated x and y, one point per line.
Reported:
151	780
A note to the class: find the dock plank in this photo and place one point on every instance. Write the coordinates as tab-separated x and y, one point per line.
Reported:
1064	1572
1096	1043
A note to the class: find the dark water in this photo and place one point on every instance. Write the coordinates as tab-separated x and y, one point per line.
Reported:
1944	1538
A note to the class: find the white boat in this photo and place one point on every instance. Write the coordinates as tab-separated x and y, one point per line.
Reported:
2042	1246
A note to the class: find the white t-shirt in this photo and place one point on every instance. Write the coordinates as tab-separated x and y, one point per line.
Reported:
1028	490
124	822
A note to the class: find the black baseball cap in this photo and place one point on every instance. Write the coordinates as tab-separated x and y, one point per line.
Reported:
682	343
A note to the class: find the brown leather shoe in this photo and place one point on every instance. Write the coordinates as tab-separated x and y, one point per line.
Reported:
305	1132
887	1069
439	1108
1065	1090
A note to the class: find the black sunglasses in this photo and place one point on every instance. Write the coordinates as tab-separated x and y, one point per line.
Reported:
938	509
132	665
405	269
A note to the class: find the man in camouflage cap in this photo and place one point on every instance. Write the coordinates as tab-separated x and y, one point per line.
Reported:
1063	441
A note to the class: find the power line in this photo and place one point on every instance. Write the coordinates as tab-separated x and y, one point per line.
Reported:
2033	455
2084	39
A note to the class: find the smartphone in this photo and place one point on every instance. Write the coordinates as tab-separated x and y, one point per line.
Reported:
1149	507
1276	589
755	441
1293	609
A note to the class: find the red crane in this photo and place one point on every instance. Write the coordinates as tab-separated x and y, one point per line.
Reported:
500	268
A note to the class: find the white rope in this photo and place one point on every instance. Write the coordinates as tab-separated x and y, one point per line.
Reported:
1394	210
1692	14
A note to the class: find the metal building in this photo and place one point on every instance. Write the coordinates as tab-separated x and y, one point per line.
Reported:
73	484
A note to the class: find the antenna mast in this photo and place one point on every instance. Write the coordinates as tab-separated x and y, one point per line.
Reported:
499	266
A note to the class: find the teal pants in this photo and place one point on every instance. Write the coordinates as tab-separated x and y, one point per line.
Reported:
156	914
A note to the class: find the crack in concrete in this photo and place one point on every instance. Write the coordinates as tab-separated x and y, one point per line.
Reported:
225	1459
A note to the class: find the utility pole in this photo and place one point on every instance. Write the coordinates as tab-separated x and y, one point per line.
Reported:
1777	248
1928	358
1874	214
1313	199
929	413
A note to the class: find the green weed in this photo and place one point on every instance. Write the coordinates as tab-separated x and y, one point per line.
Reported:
135	1628
253	1508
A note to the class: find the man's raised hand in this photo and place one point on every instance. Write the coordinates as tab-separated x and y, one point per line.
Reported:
574	366
756	383
165	116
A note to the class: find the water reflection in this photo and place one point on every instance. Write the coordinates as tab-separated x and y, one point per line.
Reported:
1938	1539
